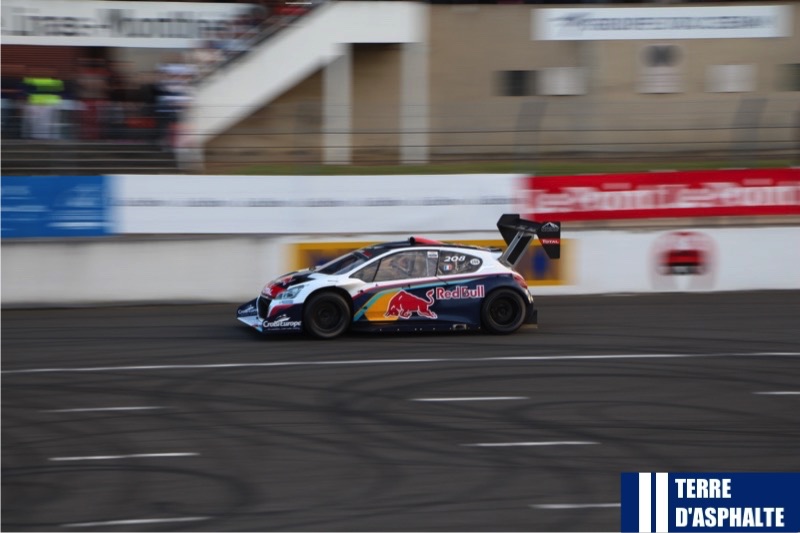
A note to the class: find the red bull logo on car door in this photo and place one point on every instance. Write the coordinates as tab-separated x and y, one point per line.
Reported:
404	305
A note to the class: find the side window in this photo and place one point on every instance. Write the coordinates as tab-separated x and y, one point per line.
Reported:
367	273
453	262
403	265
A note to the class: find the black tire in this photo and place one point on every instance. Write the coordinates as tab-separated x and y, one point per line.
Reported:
503	312
326	315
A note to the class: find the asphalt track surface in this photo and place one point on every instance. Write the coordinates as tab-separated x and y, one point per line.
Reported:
175	418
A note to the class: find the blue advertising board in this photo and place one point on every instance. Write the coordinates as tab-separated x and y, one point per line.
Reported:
55	206
711	502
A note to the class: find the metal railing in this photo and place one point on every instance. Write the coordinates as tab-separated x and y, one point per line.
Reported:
737	132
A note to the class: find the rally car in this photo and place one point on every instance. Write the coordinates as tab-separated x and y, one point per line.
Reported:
417	284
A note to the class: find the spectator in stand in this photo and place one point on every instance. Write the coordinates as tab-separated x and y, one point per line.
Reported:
142	122
70	109
93	80
13	100
286	11
175	92
43	102
206	57
119	101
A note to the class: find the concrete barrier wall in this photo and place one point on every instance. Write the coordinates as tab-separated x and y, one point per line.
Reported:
220	238
234	268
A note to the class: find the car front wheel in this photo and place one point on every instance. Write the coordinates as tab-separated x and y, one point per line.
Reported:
503	311
326	315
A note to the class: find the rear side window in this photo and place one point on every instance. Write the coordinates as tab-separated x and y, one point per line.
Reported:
452	262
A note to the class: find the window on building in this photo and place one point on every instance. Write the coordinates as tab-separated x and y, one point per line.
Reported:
789	77
517	82
731	78
562	81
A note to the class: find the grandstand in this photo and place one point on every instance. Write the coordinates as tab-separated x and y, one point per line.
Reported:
390	83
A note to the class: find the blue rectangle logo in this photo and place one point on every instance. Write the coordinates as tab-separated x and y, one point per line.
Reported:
55	206
712	502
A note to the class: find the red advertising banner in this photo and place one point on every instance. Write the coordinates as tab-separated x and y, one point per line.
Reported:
701	193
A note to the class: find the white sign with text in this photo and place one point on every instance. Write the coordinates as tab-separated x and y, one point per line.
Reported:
648	23
119	24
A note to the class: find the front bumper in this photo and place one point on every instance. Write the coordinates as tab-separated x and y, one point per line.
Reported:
248	313
269	316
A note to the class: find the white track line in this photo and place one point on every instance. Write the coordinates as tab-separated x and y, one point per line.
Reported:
132	456
99	409
138	521
779	393
540	443
533	358
558	506
472	399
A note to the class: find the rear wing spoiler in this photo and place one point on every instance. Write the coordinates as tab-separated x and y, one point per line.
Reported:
518	233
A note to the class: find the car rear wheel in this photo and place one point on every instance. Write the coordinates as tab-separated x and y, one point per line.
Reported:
503	311
326	315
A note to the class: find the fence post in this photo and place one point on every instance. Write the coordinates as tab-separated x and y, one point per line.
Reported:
529	123
745	130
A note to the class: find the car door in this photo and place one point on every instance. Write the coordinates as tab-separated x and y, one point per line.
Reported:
460	297
400	288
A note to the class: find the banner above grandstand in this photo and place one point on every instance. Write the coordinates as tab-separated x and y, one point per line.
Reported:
119	24
648	23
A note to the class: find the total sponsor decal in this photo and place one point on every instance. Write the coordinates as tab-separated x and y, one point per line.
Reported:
282	322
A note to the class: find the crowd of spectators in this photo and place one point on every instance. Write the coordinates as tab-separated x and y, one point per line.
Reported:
105	100
102	101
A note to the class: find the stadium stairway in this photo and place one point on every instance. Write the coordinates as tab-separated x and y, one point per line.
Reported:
287	57
26	158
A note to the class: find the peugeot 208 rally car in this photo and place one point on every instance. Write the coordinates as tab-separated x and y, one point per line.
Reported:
413	285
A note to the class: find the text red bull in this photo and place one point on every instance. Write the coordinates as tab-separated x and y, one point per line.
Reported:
460	292
404	304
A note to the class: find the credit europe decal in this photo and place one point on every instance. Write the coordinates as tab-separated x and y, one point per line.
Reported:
282	322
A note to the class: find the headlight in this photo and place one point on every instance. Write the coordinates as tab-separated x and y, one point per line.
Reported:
290	293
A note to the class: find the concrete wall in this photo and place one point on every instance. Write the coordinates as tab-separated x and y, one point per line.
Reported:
234	268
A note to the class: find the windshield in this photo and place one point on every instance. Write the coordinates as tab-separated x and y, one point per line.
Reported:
343	264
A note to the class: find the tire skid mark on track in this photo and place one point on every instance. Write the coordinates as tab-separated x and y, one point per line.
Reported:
302	435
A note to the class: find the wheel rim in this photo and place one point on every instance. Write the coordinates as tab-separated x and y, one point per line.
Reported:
504	311
328	316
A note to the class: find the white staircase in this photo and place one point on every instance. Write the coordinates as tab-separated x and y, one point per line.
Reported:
296	52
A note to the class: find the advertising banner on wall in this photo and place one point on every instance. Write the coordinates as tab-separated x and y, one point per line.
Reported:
701	193
117	23
290	205
648	23
55	206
